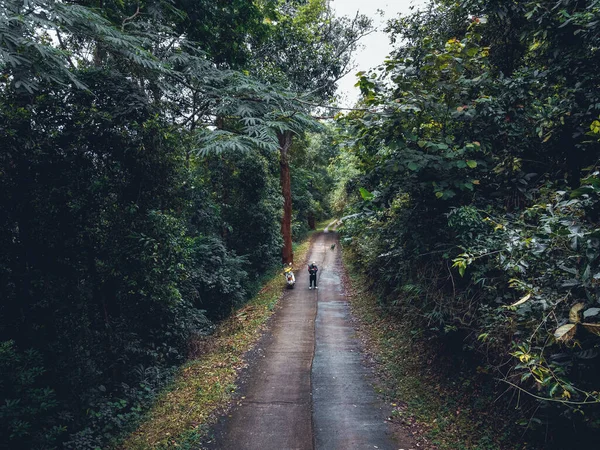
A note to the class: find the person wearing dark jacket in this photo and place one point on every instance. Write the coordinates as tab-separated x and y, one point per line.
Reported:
312	270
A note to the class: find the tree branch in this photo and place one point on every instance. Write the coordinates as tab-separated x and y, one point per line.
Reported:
64	48
130	18
548	399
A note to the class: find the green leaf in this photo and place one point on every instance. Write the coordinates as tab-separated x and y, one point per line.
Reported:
449	193
581	191
413	166
366	195
471	163
472	51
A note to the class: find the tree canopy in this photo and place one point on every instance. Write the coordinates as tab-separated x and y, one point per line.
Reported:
139	189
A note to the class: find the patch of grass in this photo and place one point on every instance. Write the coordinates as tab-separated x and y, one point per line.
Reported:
204	385
320	226
444	405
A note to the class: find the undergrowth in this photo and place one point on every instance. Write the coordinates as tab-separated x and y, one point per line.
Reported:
202	389
444	399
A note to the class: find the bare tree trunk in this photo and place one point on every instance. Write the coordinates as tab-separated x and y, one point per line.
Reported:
285	142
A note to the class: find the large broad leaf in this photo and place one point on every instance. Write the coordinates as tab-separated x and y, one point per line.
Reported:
575	313
566	332
591	312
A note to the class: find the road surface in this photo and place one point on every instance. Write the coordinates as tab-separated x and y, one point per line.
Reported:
306	387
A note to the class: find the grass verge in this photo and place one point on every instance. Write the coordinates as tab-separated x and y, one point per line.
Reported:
202	389
443	401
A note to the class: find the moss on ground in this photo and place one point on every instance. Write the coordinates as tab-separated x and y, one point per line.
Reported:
203	387
444	403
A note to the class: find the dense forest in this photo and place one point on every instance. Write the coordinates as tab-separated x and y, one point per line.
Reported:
146	151
158	158
474	179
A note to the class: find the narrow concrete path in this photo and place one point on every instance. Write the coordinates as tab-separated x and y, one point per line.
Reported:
305	387
275	406
347	414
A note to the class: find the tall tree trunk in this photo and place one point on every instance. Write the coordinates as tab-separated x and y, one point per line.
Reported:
285	142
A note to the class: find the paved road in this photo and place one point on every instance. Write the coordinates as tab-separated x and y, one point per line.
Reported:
306	388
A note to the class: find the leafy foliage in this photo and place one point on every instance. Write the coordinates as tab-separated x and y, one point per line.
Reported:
27	402
311	183
308	49
473	190
139	191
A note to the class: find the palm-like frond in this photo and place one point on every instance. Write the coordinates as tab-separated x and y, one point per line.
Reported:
32	53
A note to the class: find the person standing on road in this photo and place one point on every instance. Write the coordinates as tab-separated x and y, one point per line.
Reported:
312	270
